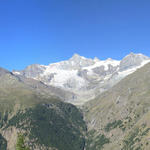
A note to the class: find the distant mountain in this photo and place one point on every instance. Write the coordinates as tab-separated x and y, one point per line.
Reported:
85	78
121	115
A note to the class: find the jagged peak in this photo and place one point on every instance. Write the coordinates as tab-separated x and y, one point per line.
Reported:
96	59
76	56
131	54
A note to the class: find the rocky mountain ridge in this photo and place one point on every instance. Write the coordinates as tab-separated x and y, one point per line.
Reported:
85	78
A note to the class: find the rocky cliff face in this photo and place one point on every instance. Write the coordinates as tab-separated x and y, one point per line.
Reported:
84	77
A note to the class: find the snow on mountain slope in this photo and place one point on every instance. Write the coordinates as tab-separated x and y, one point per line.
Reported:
129	71
104	63
62	77
85	77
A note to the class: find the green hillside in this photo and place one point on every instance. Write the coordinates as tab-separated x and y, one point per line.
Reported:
45	121
122	114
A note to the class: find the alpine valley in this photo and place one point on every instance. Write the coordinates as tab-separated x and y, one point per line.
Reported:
77	104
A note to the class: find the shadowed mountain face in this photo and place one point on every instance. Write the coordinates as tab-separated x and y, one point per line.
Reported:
30	107
84	78
121	115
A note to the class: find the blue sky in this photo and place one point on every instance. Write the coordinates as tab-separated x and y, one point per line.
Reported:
46	31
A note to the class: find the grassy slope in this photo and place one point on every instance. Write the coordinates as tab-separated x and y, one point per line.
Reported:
122	114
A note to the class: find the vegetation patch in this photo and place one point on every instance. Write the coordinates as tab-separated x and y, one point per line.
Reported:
135	137
130	140
96	142
3	118
21	143
113	125
59	125
145	132
3	143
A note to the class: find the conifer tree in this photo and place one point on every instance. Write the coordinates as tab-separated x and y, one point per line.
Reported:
21	143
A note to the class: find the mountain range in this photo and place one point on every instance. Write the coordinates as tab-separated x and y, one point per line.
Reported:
85	78
77	104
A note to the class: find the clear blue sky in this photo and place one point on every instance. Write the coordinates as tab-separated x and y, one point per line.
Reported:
46	31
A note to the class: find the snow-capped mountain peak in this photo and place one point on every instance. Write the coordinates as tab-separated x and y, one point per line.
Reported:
96	59
85	77
139	56
77	57
132	60
78	61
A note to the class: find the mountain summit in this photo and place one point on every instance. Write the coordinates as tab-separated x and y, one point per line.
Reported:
85	77
132	60
77	57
